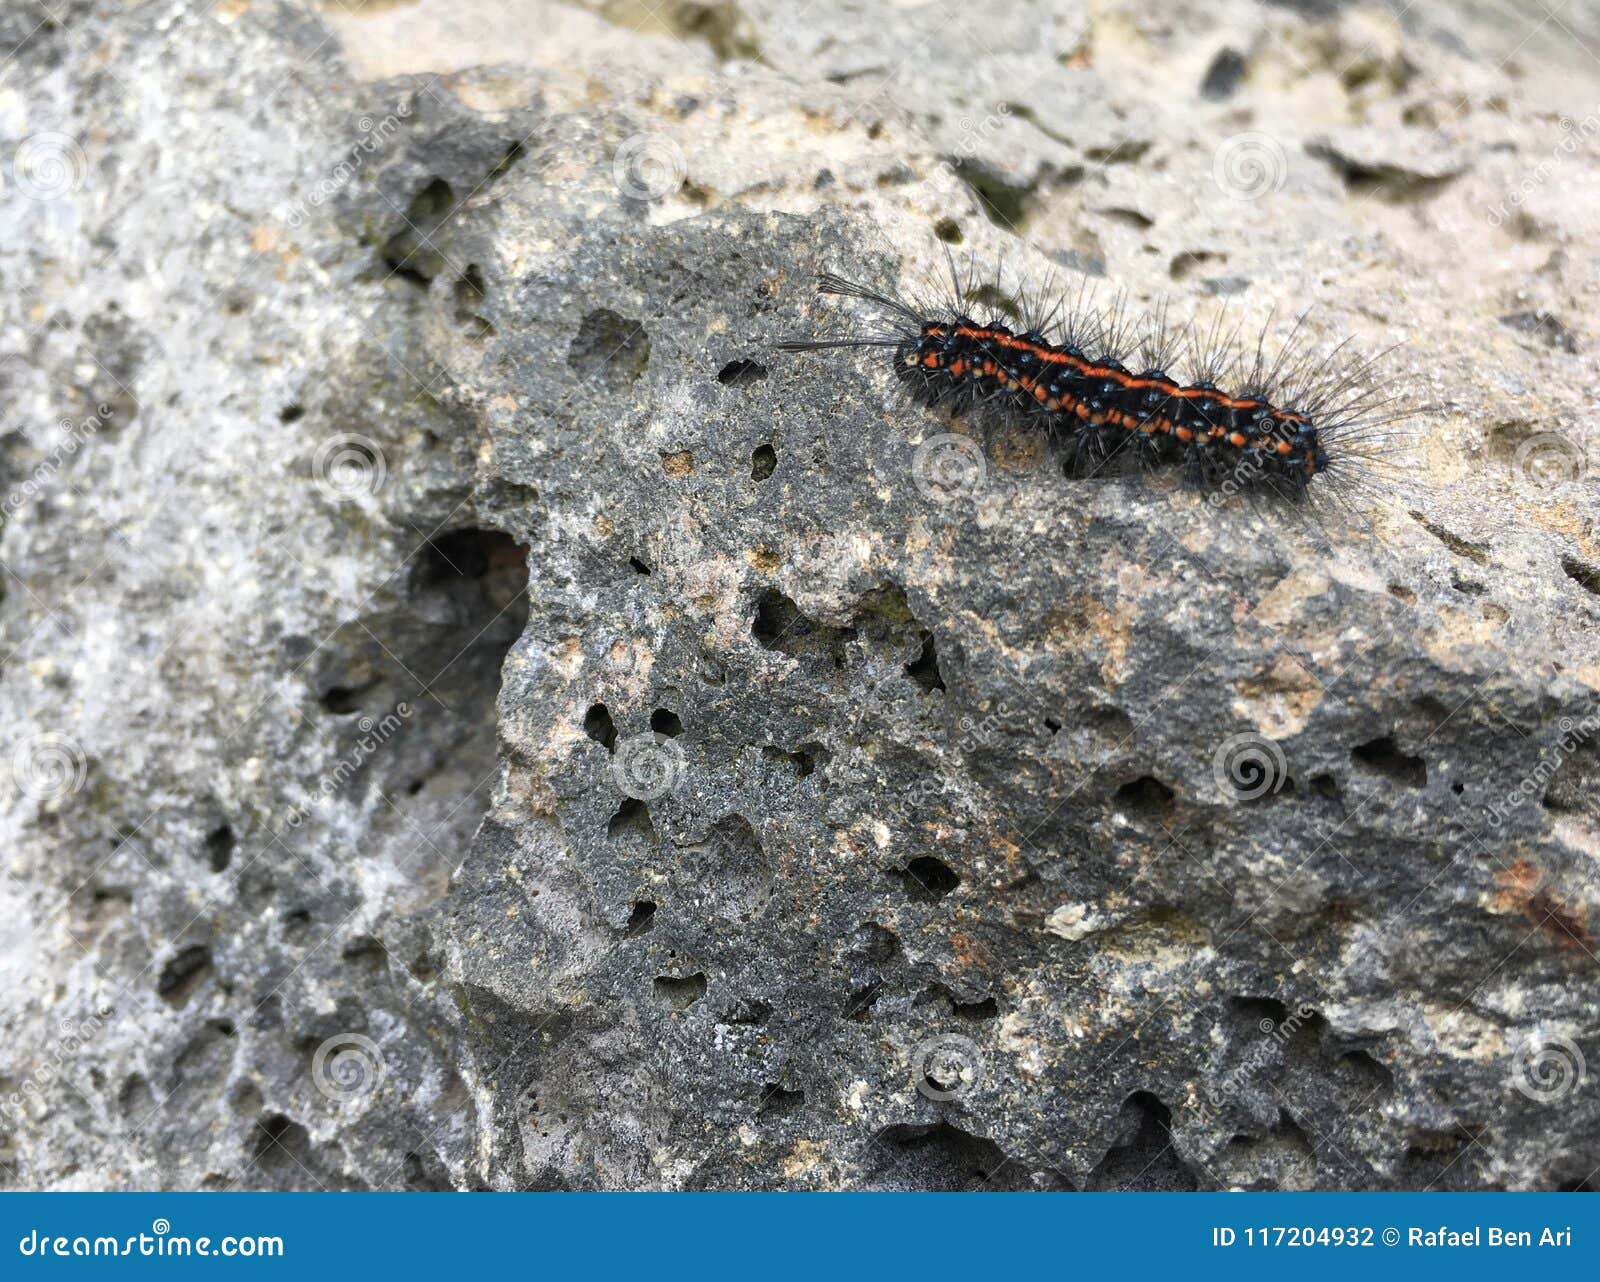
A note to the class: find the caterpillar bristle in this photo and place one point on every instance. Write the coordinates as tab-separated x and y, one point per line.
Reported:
830	344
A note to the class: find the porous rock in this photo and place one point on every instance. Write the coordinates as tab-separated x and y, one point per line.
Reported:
482	719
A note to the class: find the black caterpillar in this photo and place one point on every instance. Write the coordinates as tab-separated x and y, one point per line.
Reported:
1290	423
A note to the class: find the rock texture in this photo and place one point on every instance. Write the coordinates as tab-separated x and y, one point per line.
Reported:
478	718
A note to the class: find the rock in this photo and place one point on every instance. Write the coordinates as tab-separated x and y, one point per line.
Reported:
483	719
1397	157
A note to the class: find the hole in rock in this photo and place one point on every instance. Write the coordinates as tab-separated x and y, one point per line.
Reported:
1223	75
680	992
609	347
780	625
422	670
598	726
183	974
641	919
940	1158
776	1102
924	669
741	373
219	848
1384	757
411	253
803	759
1143	1160
928	879
1586	576
1146	797
632	819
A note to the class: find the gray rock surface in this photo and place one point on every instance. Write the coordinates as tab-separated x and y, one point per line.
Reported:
477	718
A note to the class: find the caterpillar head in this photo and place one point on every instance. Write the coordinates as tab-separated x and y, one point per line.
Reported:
931	341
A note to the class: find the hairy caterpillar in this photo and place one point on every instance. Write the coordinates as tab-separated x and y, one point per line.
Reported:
1298	423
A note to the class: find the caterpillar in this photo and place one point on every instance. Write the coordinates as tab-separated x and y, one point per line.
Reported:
1297	424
